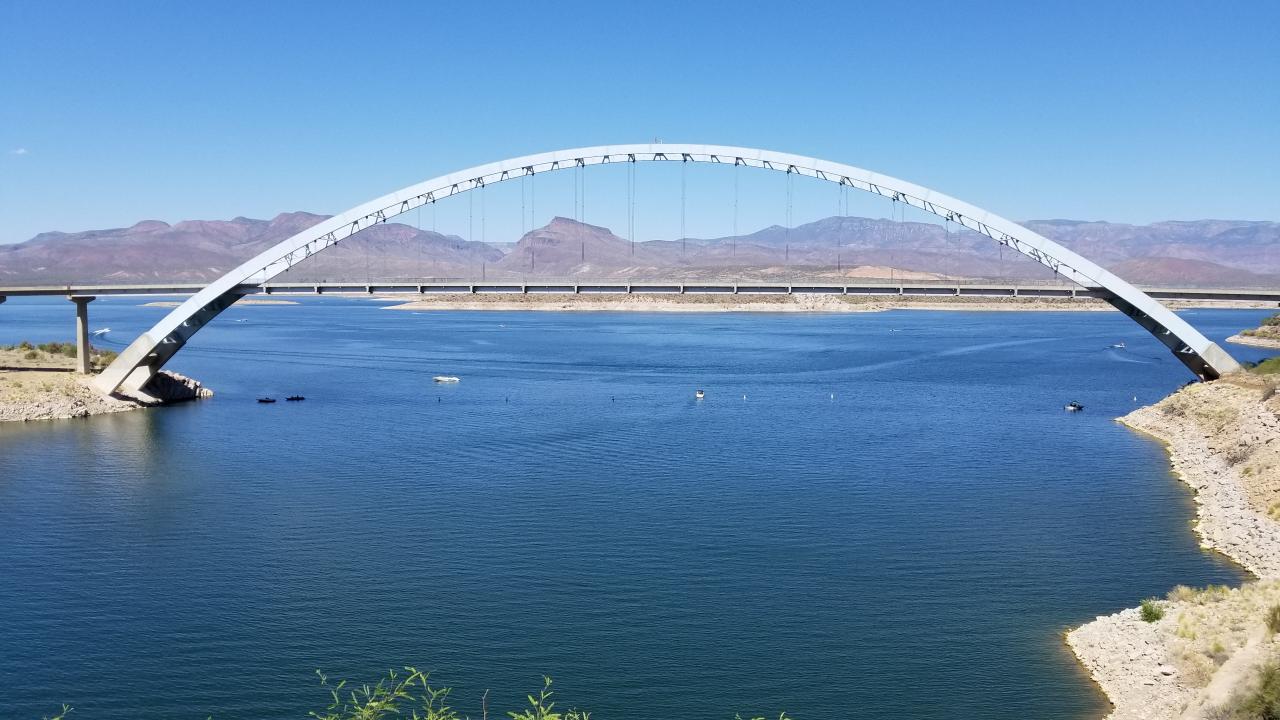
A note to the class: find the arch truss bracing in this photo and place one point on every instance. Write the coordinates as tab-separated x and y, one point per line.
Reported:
146	355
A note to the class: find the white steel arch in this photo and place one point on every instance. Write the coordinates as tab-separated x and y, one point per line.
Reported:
147	354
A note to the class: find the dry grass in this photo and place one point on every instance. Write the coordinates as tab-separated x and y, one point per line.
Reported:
1212	623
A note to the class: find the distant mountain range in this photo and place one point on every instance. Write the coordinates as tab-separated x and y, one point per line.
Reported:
1205	253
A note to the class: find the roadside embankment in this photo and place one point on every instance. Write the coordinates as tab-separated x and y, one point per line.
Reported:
1198	653
37	384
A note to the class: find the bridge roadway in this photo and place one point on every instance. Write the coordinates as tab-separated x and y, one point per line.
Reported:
638	287
82	295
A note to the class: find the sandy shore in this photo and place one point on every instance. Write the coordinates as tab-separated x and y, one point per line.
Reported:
1223	440
41	386
710	302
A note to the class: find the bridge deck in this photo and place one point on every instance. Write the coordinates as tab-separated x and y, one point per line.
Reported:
415	287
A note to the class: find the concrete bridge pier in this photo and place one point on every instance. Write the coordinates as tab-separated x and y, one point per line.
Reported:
82	332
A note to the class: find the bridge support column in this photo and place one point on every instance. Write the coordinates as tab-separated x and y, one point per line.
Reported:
82	333
2	299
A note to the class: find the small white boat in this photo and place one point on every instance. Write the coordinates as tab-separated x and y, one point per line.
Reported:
1118	346
1073	407
101	332
446	379
699	394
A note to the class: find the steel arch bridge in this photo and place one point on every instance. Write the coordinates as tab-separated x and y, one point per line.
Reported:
139	362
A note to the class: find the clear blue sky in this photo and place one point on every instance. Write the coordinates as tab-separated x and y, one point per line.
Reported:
111	113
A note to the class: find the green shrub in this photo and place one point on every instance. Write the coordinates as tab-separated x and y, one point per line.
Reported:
1273	321
1273	619
1264	701
1151	610
1270	366
65	349
32	355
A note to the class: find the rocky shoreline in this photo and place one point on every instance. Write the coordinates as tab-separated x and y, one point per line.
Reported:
1255	341
58	395
1223	440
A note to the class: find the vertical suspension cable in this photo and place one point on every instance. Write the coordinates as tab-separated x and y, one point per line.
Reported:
1002	277
786	247
946	245
733	247
631	204
844	214
684	160
893	243
839	222
533	217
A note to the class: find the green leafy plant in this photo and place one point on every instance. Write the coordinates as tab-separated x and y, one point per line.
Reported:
542	707
1150	610
393	696
408	694
1273	619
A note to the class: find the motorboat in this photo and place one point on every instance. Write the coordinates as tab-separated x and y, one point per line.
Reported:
699	394
1118	346
446	379
1073	407
100	332
295	398
266	401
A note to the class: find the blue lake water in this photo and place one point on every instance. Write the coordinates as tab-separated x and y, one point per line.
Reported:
869	515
